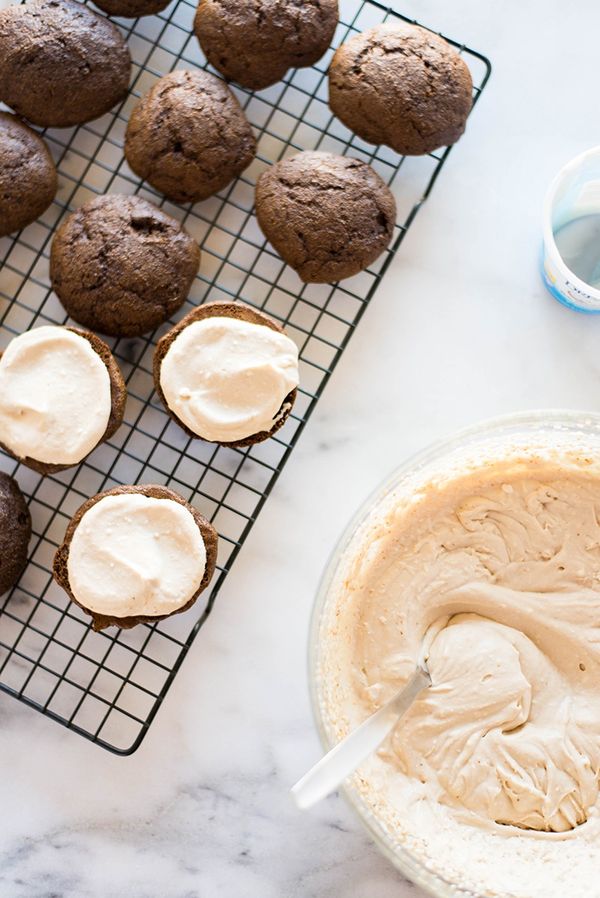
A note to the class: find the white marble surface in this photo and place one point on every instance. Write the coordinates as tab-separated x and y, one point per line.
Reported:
461	329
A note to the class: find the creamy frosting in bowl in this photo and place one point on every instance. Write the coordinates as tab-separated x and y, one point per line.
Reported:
487	552
55	396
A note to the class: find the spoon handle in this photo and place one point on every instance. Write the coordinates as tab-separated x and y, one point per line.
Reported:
344	758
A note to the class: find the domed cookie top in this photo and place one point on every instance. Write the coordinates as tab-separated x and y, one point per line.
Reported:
403	86
255	42
135	554
28	179
227	373
60	63
122	266
327	216
188	136
15	532
61	394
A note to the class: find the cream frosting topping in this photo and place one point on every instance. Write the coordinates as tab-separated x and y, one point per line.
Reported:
227	379
498	573
55	396
132	554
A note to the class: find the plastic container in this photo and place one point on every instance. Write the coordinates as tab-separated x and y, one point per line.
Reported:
553	431
573	194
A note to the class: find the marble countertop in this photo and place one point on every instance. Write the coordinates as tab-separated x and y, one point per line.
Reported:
461	329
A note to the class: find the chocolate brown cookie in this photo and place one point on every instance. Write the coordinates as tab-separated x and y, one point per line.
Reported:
122	266
118	396
189	137
132	9
15	532
231	310
28	179
255	42
60	566
60	63
327	216
403	86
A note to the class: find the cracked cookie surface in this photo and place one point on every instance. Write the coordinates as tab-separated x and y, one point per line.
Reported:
189	137
402	86
27	175
122	266
255	42
60	63
327	216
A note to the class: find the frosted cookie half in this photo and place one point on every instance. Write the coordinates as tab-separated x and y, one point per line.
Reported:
227	373
136	554
61	394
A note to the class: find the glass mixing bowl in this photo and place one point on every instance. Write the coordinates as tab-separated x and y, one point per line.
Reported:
550	431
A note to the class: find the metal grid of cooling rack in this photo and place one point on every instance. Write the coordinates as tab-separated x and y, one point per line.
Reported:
108	686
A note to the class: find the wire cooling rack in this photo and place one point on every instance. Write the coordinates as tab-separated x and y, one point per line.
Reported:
108	686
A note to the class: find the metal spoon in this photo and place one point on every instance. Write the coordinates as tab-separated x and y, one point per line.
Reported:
344	758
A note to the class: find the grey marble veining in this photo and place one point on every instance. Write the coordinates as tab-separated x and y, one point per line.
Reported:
460	330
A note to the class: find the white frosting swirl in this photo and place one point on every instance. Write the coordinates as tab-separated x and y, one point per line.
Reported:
227	379
55	397
136	555
492	777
